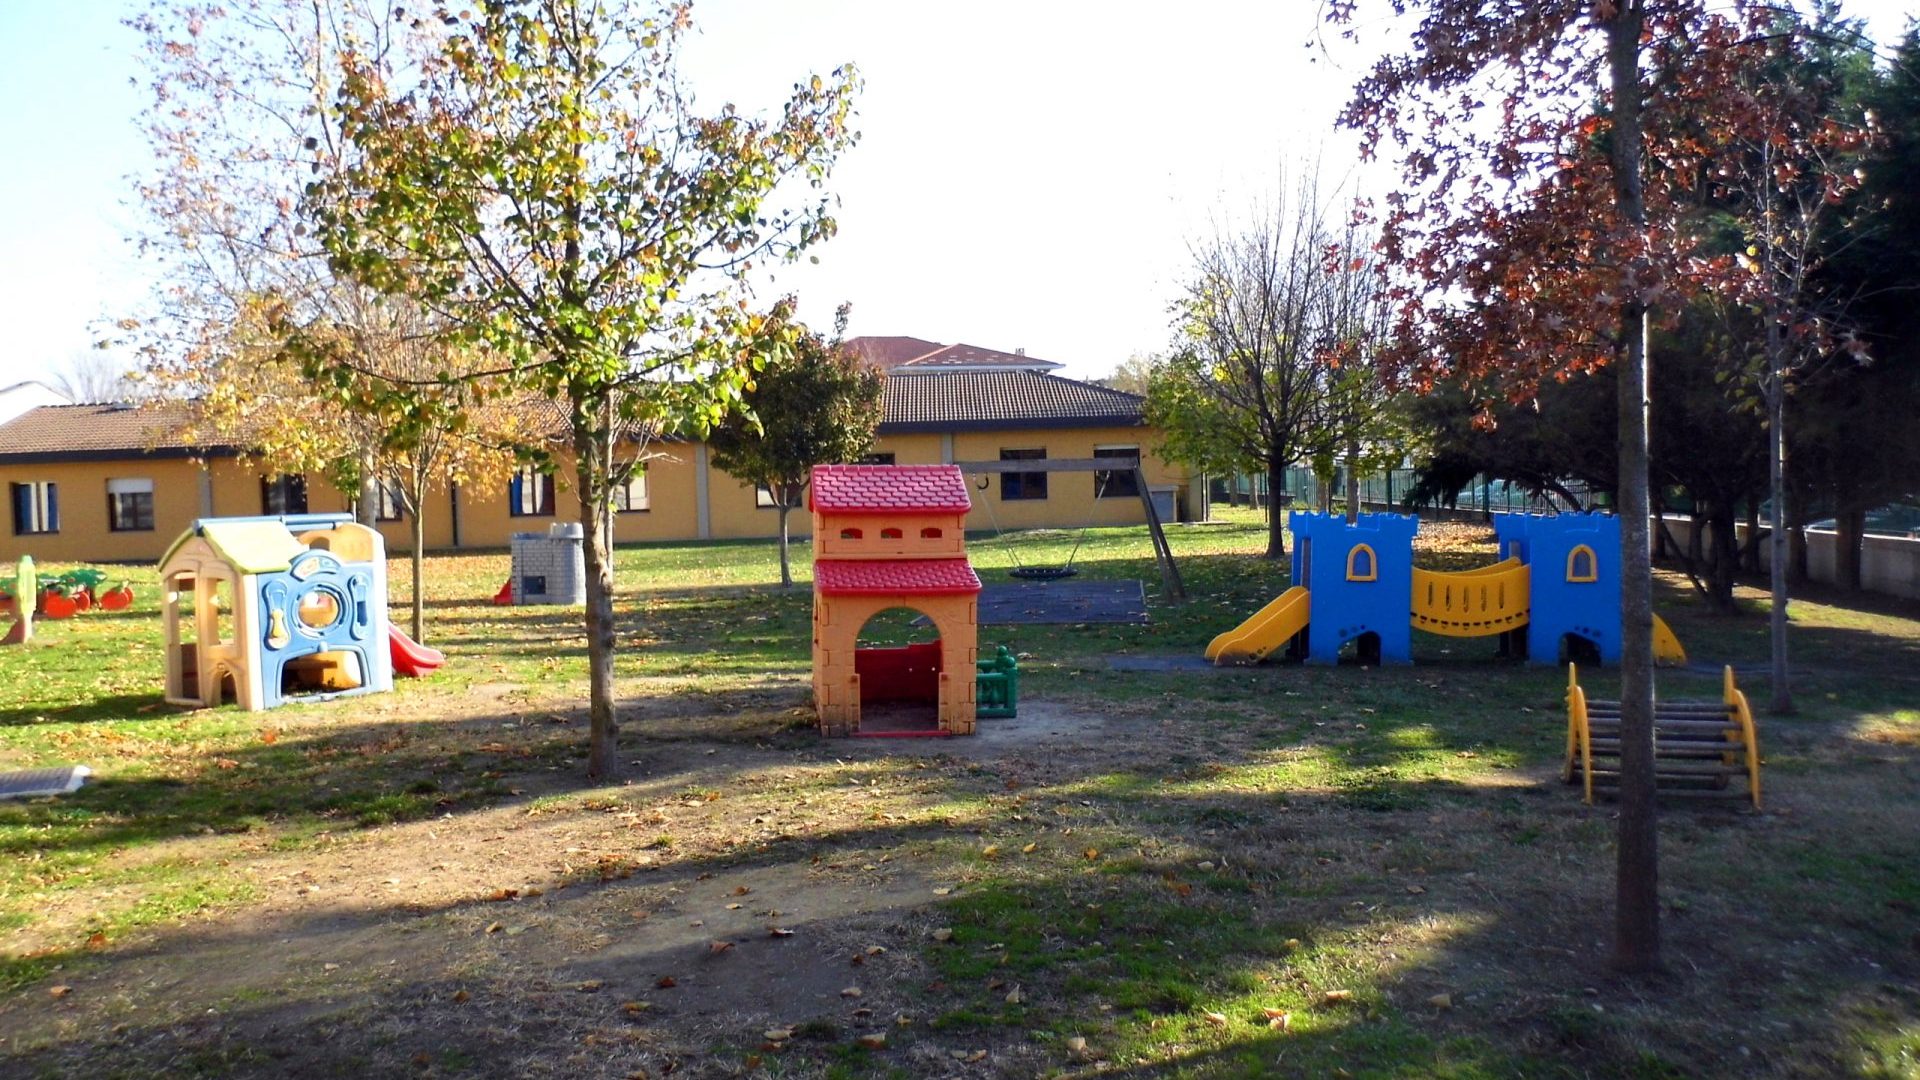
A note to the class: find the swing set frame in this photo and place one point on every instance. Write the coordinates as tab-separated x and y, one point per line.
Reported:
1162	553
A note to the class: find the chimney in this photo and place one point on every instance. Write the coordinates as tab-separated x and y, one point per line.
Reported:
1022	351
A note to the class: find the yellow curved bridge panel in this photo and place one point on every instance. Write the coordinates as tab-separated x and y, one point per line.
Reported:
1472	603
1268	629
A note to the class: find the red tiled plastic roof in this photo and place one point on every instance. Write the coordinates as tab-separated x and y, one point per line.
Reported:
889	489
907	577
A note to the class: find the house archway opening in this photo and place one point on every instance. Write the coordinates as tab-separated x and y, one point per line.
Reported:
898	658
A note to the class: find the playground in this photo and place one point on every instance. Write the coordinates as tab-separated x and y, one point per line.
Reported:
1283	869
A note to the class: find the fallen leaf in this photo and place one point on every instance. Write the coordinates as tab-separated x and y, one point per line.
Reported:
97	940
494	927
976	1057
778	931
1014	997
1416	889
1093	853
1335	997
461	997
943	934
850	992
733	907
943	890
269	736
504	894
778	1034
1030	849
665	982
1292	945
741	890
715	948
1077	1046
876	950
874	1040
1441	1001
60	991
1216	1019
1279	1021
634	1007
588	987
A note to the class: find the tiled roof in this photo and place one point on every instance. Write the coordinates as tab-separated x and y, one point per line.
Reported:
909	577
884	489
910	355
986	400
887	352
89	432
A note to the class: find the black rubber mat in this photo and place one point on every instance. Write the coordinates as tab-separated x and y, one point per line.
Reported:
31	782
1064	602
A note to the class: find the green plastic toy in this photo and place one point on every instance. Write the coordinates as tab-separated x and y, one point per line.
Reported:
997	686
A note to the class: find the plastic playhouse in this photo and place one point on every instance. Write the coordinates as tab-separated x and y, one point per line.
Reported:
263	610
1557	584
891	536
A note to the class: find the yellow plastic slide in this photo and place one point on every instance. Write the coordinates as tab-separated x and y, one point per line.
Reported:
1667	649
1269	628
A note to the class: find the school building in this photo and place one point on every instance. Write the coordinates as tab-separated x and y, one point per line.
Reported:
114	482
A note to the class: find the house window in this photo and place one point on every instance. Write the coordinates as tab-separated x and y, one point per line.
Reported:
929	533
850	534
530	493
763	497
1023	485
1581	564
875	459
891	534
283	494
1361	564
36	508
1119	483
630	496
390	506
130	505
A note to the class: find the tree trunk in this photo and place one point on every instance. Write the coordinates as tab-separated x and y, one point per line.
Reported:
1323	495
786	566
1276	513
1777	490
1726	557
366	507
1636	943
419	558
1850	539
1750	551
593	466
1353	481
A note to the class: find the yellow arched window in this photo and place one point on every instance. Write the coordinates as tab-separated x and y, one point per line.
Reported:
1362	565
1581	564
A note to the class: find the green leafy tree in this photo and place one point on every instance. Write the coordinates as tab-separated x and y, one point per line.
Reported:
535	174
1265	315
815	403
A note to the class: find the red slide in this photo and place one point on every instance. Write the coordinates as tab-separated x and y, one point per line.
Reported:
411	658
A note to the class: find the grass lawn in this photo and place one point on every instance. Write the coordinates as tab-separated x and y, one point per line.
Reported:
1275	871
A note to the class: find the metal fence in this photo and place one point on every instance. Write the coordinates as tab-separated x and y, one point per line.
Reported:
1388	491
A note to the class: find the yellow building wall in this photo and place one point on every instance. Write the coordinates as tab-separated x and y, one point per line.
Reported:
82	494
673	480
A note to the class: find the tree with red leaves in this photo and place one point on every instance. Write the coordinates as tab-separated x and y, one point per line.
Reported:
1551	152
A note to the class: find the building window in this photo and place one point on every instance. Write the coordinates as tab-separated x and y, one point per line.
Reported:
130	505
763	497
1361	564
929	533
875	459
1023	485
530	493
390	505
1119	483
1581	564
36	508
850	534
630	496
283	494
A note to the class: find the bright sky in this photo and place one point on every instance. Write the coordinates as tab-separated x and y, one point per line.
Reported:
1028	176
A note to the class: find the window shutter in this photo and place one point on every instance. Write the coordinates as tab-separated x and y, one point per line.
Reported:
514	486
21	494
52	522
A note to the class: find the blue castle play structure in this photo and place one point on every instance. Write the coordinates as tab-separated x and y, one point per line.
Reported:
1556	588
